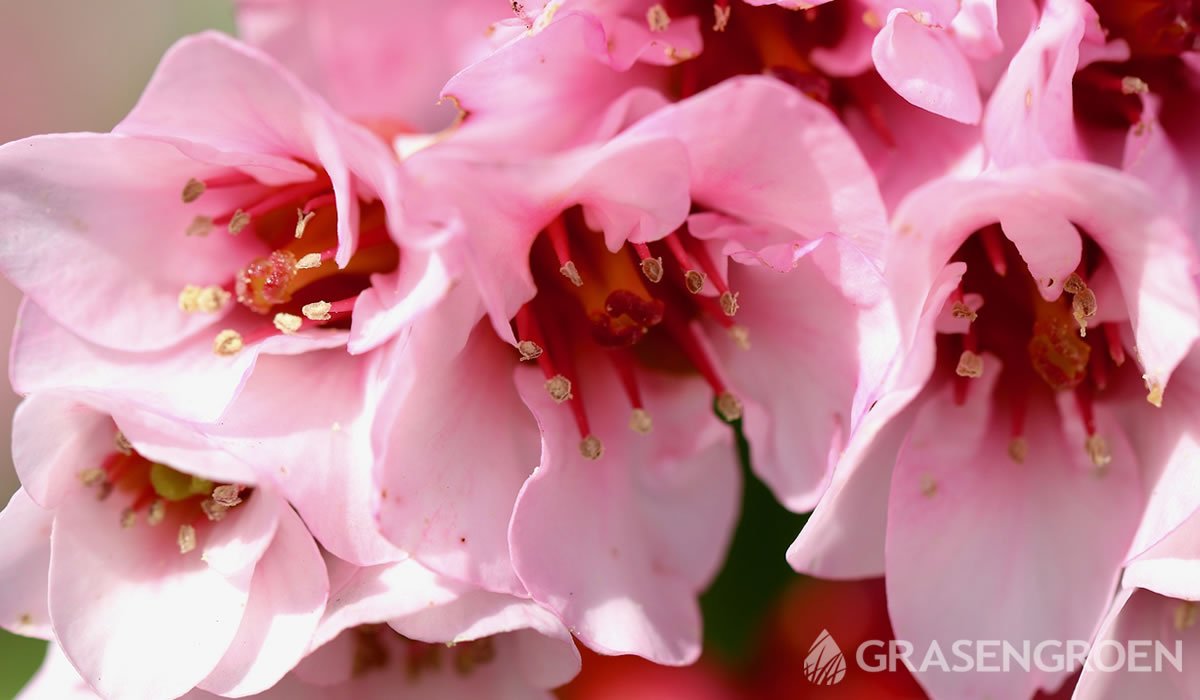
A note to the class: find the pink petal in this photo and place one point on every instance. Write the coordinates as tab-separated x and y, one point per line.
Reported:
637	533
1172	566
287	598
979	547
54	438
924	65
121	596
56	679
24	564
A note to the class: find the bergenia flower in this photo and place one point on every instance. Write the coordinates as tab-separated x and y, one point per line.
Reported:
231	213
1050	308
621	322
1112	81
1158	605
134	546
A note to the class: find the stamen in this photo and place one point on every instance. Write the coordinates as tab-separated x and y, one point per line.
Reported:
287	323
693	278
158	511
639	421
192	190
529	350
557	231
970	365
729	303
91	476
228	495
1155	392
657	18
239	222
228	342
993	244
559	388
1018	449
317	311
1112	336
214	511
122	444
1074	284
302	222
186	538
128	518
652	267
310	261
200	226
1097	450
741	336
721	12
961	310
1185	615
1132	85
695	281
728	407
208	299
591	447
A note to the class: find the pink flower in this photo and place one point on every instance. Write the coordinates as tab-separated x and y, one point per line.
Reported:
1000	485
1157	605
1113	82
639	317
170	246
155	566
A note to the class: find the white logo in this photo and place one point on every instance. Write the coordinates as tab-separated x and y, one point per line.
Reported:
824	664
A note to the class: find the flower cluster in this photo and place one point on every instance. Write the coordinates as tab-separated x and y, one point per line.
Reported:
398	347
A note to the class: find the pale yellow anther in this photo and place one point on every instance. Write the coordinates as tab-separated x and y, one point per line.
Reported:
200	226
871	19
961	310
122	444
569	271
1133	85
239	222
970	365
728	407
208	299
640	421
158	511
652	268
729	303
186	539
1083	307
310	261
228	495
559	388
302	220
228	342
928	486
92	476
591	447
1154	392
657	18
694	281
192	190
1074	284
1185	615
214	511
1018	449
1097	450
128	518
529	350
721	17
741	336
317	311
287	323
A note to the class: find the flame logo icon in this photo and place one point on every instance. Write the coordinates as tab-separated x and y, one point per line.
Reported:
824	664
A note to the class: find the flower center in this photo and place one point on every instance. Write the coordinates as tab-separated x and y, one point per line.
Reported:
1043	346
162	494
372	652
637	307
1158	32
297	283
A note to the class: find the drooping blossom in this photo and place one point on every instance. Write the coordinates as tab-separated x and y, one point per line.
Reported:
621	322
1000	484
156	566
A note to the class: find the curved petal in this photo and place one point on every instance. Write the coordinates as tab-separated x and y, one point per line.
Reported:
120	596
1018	551
637	533
54	437
1172	566
56	679
287	598
24	567
927	68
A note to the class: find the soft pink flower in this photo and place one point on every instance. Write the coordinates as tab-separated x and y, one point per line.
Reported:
154	579
588	251
1157	605
1000	485
169	245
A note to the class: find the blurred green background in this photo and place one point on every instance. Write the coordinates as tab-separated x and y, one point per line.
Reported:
74	66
